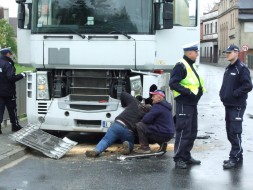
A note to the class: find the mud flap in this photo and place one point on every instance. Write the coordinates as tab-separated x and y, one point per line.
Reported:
160	152
46	143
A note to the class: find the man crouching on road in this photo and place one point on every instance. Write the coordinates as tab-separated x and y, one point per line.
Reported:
123	127
157	126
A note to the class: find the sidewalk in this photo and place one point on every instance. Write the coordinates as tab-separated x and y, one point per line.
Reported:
10	150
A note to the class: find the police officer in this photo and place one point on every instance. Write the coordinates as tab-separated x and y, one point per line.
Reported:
233	93
8	88
187	88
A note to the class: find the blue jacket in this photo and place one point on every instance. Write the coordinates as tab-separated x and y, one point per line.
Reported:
8	77
159	119
236	85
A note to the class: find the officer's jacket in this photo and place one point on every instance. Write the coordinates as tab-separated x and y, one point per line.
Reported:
190	81
179	74
8	77
236	84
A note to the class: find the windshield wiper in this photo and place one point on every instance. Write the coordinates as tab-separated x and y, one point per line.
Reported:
123	33
71	29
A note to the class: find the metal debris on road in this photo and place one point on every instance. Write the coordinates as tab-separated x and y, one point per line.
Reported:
250	116
46	143
203	137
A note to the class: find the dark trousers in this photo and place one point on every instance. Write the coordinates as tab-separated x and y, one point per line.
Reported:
146	138
10	104
234	118
186	130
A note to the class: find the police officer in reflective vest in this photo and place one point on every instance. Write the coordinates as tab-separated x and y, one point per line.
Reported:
187	88
233	94
8	78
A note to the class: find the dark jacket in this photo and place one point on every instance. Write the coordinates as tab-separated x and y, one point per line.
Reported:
8	77
134	111
159	119
179	73
236	84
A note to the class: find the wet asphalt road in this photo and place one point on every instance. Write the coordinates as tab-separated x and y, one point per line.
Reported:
74	171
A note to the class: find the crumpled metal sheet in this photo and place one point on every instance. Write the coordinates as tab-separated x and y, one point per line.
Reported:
46	143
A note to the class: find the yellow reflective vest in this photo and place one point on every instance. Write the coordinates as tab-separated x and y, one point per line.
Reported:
190	81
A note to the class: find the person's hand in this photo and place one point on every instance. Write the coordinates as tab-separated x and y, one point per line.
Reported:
24	75
192	96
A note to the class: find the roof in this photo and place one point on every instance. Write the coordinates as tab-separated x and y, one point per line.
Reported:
245	4
245	17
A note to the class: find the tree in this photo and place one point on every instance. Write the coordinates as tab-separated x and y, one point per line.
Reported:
208	5
7	36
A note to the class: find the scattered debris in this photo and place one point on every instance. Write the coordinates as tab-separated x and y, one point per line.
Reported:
250	116
203	137
46	143
205	142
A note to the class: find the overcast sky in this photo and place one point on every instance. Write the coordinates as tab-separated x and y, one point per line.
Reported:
12	5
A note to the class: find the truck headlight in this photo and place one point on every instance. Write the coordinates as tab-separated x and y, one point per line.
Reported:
42	86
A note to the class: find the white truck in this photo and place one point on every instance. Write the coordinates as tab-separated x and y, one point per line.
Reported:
86	52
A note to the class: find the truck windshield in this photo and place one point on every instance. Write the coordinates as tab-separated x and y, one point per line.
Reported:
92	16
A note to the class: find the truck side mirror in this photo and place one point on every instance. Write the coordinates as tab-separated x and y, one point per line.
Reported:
164	15
21	16
20	1
24	16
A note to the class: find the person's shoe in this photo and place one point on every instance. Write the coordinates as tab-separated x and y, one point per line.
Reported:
126	148
226	161
0	131
143	151
180	164
231	164
193	161
16	128
91	153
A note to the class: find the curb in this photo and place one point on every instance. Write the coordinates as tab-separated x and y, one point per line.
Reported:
12	155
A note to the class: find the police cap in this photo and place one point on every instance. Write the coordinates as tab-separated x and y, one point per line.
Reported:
191	46
4	51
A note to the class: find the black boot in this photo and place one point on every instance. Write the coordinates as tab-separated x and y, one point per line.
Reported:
180	164
0	131
193	161
16	128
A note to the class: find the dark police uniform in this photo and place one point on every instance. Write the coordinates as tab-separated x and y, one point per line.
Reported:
186	114
8	90
233	93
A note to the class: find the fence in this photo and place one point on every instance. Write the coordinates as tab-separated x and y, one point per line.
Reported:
21	100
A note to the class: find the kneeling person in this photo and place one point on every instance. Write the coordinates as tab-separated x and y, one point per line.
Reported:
123	127
157	126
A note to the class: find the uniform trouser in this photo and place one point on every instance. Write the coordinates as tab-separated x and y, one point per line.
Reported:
10	103
234	118
146	138
186	130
